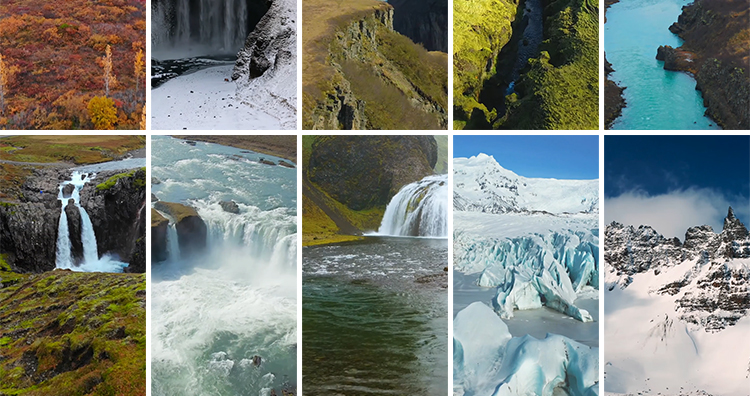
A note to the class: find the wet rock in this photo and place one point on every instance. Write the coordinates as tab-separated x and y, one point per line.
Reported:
190	142
230	206
155	180
154	198
257	361
68	190
74	230
191	229
159	243
286	164
266	162
118	214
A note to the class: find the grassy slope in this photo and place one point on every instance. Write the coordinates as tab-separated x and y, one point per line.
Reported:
387	107
317	226
480	29
79	150
561	89
72	333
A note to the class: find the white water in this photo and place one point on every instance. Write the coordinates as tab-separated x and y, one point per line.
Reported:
419	209
214	311
64	258
218	25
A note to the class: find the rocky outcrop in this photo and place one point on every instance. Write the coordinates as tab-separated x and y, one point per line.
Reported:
716	36
375	78
159	243
423	21
366	171
674	59
713	292
190	227
230	207
266	67
28	230
115	202
613	99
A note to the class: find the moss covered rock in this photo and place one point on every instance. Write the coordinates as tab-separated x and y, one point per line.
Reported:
73	333
364	172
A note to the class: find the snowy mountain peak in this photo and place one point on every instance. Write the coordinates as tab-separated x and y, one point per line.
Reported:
482	185
707	274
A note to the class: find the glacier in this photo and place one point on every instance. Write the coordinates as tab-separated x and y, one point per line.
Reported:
535	244
488	361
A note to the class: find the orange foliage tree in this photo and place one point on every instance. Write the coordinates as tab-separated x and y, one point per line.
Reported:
102	112
109	78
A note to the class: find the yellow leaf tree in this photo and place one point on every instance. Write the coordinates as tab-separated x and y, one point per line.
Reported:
139	67
109	77
4	74
102	112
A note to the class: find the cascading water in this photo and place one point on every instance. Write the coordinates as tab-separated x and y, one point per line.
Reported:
214	312
217	26
64	258
419	209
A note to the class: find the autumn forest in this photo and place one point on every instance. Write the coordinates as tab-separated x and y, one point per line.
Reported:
72	64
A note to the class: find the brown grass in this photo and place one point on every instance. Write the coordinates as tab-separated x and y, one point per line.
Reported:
283	146
73	149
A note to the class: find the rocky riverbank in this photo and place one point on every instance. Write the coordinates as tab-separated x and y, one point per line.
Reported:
283	146
716	50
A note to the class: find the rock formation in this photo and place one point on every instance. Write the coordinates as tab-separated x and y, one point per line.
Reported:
159	243
424	22
191	229
713	292
361	74
716	45
28	230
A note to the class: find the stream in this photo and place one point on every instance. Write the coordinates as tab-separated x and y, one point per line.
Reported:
655	98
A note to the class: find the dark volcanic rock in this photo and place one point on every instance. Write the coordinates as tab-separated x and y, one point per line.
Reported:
115	213
154	198
423	21
137	262
68	190
159	243
28	236
191	230
230	206
367	171
74	230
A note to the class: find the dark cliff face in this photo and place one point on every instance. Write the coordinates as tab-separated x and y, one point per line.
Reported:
116	213
28	230
423	21
367	171
715	50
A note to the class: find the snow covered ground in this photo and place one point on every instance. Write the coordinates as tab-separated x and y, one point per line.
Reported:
204	100
648	347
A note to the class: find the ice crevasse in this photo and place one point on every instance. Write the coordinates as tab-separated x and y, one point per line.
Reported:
533	271
488	361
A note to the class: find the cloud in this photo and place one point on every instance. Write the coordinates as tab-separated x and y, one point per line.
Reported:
673	213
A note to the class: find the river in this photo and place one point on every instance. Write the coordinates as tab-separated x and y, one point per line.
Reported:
655	98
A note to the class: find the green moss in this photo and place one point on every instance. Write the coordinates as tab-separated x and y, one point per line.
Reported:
138	175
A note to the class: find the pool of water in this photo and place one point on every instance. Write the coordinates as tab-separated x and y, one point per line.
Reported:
375	317
655	98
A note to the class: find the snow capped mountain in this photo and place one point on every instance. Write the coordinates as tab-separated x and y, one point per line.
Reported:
482	185
685	306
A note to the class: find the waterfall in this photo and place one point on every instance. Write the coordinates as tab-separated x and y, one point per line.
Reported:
216	25
64	255
419	209
173	247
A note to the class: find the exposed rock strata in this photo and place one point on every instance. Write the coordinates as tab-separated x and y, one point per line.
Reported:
424	22
159	243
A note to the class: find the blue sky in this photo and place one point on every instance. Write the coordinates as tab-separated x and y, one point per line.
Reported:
674	182
560	157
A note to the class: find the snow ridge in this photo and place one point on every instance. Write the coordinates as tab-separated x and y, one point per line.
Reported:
482	185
